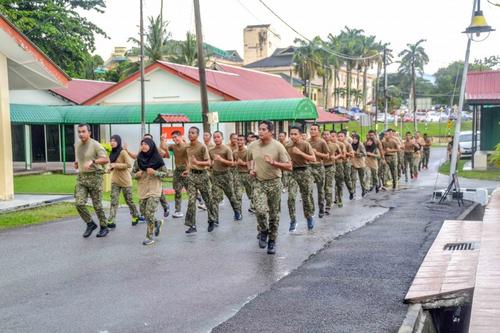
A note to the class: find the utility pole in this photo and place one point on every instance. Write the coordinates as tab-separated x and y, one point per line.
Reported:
386	106
414	94
201	67
143	100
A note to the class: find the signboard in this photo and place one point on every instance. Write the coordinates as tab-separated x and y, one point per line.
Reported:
213	117
166	132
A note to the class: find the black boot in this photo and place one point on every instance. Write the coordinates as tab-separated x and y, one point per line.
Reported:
91	226
271	247
211	226
263	239
191	230
351	196
102	232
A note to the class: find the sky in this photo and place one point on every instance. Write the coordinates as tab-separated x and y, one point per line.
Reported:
398	22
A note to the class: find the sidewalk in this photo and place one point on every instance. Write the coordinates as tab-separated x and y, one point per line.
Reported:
25	201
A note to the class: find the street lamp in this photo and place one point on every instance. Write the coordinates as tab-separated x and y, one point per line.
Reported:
474	30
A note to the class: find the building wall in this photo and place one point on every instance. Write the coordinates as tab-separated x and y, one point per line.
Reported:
36	97
259	43
161	87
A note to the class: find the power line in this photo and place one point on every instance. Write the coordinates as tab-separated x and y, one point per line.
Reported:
255	17
340	55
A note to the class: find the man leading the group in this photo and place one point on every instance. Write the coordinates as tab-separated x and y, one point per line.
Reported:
267	159
90	159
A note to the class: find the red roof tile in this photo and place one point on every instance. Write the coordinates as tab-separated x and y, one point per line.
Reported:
483	87
78	91
174	118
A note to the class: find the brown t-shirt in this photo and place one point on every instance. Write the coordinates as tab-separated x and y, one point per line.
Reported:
256	152
299	160
200	152
427	143
85	152
334	150
372	161
180	154
241	155
347	149
321	147
225	153
120	175
390	143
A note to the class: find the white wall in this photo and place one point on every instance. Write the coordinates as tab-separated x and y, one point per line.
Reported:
161	87
35	97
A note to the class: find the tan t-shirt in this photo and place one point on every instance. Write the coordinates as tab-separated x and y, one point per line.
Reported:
299	160
347	149
200	152
409	147
427	143
85	152
210	145
180	154
358	160
334	150
225	153
372	161
321	147
149	186
256	152
120	175
390	143
242	155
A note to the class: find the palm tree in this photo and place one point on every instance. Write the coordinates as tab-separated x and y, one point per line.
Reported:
307	63
187	54
412	62
371	52
336	63
349	40
156	38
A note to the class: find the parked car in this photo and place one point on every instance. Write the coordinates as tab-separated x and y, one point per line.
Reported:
339	110
465	141
421	116
407	118
444	117
433	116
381	118
353	115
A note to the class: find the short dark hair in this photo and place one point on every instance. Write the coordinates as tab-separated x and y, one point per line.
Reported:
283	132
221	134
372	131
408	133
147	134
176	133
208	133
230	135
296	128
425	134
85	125
195	128
314	124
268	123
333	131
241	136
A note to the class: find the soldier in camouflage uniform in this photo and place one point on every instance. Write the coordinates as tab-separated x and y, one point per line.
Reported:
329	171
179	182
223	182
198	180
267	157
339	168
91	157
243	179
358	164
301	154
322	153
347	166
391	149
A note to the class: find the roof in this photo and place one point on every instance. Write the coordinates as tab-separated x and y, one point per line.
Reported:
78	91
28	66
483	87
281	57
234	111
230	82
325	117
258	26
172	118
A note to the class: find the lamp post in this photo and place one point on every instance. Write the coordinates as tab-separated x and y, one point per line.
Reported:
478	25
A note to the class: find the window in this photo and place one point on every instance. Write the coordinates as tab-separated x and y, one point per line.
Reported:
38	143
18	143
52	132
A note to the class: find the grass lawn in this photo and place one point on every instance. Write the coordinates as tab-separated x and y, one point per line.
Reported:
64	184
38	215
472	174
432	129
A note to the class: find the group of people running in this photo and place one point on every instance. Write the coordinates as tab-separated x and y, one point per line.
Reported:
259	165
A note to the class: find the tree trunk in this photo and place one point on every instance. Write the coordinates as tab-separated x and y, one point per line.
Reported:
348	88
414	93
335	99
365	93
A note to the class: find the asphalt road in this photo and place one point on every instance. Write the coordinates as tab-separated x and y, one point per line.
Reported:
53	280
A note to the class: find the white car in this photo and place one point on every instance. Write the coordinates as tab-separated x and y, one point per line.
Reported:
465	141
433	117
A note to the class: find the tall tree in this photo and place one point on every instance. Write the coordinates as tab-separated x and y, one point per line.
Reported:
371	52
156	38
187	52
350	45
58	29
307	62
412	62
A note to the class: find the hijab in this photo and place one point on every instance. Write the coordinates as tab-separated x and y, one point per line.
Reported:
150	159
355	145
115	152
370	148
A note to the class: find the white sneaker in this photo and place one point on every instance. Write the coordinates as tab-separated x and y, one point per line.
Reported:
177	214
202	206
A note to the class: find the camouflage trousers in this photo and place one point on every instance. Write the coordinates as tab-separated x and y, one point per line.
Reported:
400	164
425	157
285	177
300	180
408	164
329	178
318	175
148	208
115	201
355	172
347	177
198	180
179	182
224	184
374	177
392	166
382	169
90	184
339	181
243	181
416	163
267	195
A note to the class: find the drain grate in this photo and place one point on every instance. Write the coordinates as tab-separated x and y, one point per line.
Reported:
460	246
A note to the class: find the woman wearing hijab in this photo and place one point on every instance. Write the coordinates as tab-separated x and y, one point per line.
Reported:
121	181
358	165
372	157
148	169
